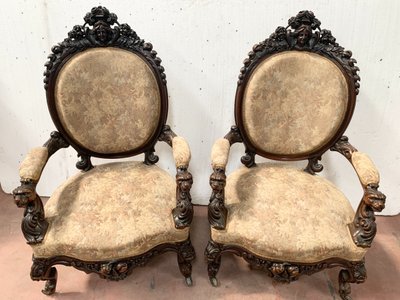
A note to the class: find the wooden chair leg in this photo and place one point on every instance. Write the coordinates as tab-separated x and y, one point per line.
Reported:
51	282
186	255
355	274
213	256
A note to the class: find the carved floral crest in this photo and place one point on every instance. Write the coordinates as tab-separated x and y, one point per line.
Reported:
302	33
101	29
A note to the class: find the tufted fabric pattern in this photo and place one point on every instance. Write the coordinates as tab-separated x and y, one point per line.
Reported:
33	164
181	151
113	211
108	100
286	214
294	102
365	168
220	153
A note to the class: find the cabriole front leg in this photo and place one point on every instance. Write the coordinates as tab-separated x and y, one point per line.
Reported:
186	255
42	270
356	273
213	257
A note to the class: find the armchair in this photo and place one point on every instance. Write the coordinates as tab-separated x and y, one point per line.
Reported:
294	100
107	95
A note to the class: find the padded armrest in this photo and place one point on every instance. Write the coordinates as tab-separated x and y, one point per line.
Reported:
365	168
220	153
32	166
181	152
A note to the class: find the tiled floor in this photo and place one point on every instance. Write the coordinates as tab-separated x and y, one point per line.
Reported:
161	279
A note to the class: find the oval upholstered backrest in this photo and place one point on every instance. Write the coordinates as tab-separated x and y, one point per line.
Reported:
294	102
106	89
296	92
108	100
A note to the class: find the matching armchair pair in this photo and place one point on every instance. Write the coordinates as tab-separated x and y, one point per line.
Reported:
107	95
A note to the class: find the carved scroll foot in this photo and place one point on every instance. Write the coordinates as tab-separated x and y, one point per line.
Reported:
186	255
51	282
355	274
41	270
344	285
213	256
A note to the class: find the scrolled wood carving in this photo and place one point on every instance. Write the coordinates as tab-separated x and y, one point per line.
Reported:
363	227
33	225
217	212
233	136
302	33
183	211
286	272
55	143
84	163
42	268
167	135
344	147
101	28
248	159
150	158
355	273
314	166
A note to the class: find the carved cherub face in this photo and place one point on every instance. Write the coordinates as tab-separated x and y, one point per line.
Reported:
102	32
303	35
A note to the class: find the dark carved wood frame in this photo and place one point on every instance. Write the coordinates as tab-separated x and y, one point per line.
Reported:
101	29
286	272
302	34
42	268
363	227
34	224
305	35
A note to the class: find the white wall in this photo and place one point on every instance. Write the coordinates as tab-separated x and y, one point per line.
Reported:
202	44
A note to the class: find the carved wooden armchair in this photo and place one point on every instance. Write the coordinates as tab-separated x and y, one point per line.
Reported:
107	95
295	97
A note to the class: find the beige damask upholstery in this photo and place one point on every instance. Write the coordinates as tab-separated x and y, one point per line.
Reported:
129	98
115	210
365	168
220	153
288	100
181	152
32	166
286	214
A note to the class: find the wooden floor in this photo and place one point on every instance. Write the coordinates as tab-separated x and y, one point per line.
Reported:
161	279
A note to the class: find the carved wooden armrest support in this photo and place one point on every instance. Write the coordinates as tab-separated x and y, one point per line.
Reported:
183	212
217	212
363	228
34	225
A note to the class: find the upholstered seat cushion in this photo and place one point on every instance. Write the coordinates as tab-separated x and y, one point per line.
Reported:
286	214
113	211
